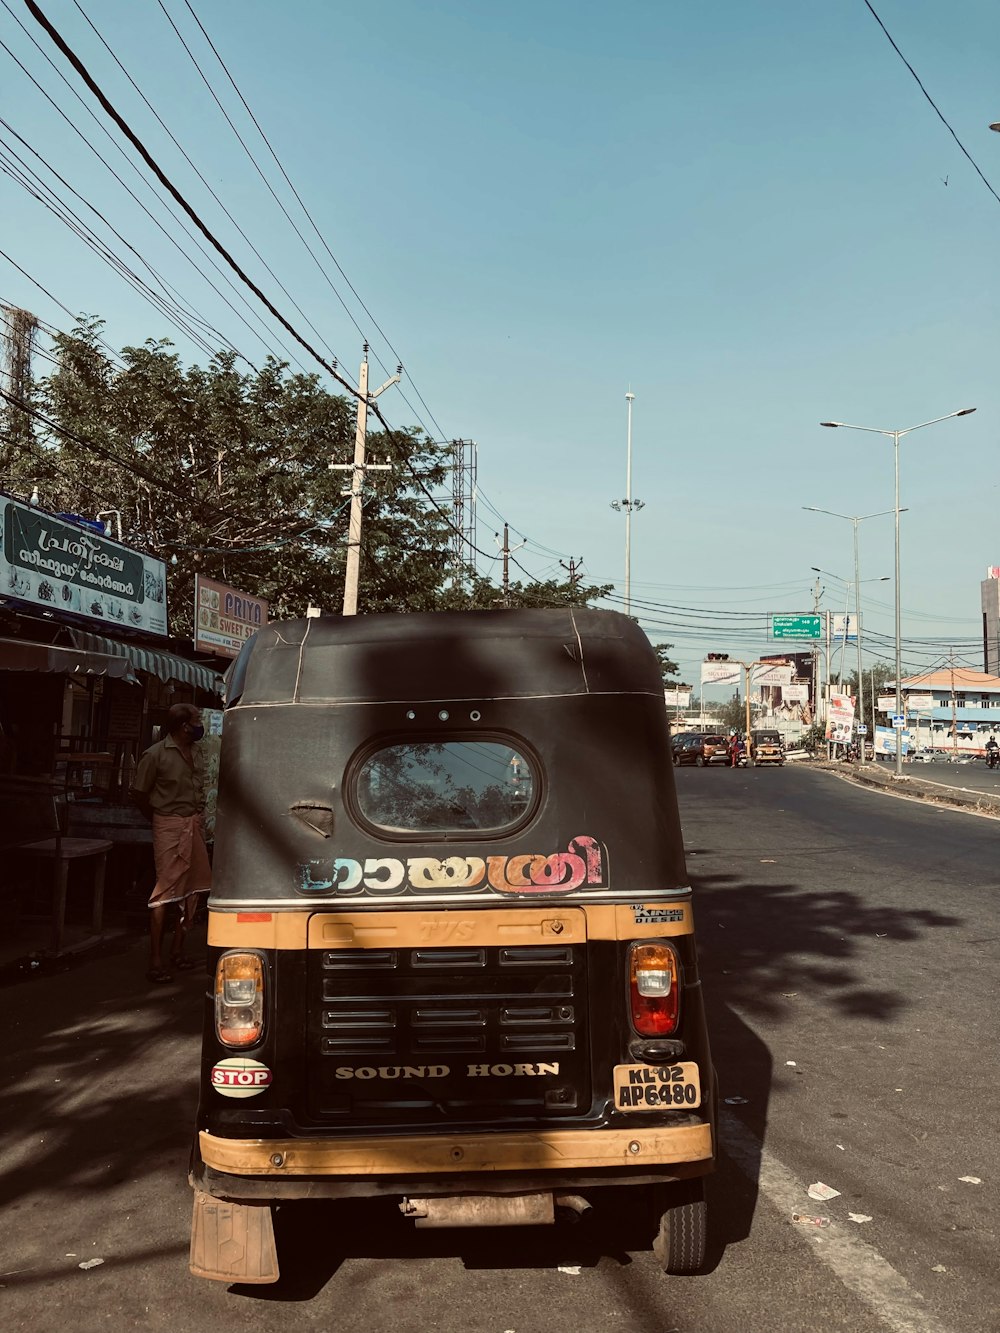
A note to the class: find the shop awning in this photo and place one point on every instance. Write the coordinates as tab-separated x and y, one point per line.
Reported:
17	655
164	666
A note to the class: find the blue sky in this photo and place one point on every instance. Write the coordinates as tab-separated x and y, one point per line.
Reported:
739	210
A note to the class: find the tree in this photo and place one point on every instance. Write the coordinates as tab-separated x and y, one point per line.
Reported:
482	595
226	473
732	714
668	669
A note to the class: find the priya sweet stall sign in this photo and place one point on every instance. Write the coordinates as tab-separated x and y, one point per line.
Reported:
61	566
224	617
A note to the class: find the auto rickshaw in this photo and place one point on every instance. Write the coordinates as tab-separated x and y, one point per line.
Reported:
451	942
766	747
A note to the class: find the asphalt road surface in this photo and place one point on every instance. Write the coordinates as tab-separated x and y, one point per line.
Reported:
848	942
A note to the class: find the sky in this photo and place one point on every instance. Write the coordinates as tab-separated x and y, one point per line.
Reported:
748	215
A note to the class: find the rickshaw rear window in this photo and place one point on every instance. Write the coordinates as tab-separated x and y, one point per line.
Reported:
445	787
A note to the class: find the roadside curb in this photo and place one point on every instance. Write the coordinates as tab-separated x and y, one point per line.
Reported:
915	788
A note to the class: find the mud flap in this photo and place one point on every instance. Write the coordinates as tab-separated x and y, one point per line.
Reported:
232	1242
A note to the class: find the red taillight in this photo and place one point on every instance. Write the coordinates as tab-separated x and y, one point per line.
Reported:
239	999
654	990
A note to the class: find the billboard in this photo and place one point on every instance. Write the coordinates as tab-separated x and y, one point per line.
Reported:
840	719
61	566
224	617
677	697
772	675
844	628
721	673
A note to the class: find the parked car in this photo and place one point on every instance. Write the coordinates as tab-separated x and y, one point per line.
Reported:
686	748
701	747
714	749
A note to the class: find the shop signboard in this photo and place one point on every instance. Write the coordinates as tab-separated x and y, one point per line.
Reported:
677	697
62	566
224	617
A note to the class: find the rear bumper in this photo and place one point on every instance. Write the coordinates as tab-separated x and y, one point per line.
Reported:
559	1151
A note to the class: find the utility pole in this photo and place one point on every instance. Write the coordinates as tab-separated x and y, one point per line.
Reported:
358	469
573	568
507	551
954	706
817	594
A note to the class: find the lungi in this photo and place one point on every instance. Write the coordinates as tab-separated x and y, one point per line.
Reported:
181	858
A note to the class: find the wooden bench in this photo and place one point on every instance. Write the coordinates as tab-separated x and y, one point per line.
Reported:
30	827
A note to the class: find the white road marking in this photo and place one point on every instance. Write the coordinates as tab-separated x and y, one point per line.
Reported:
858	1265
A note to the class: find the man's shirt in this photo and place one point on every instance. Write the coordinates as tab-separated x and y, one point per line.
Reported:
168	782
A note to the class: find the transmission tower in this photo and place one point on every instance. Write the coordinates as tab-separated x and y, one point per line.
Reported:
464	458
17	340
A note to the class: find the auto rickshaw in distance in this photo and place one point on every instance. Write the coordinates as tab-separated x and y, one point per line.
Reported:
766	747
450	935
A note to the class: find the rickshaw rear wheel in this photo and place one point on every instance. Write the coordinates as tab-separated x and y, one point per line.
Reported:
682	1238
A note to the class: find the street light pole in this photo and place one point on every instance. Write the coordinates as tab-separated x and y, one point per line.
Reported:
855	519
629	398
628	504
896	436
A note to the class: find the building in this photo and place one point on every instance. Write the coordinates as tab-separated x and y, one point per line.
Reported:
951	709
989	598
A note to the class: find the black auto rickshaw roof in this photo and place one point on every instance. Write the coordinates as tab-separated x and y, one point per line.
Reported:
444	655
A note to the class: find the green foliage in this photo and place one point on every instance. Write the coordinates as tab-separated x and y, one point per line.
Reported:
226	473
482	595
732	714
668	668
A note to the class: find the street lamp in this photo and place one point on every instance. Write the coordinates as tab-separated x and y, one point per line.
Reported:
896	436
628	504
855	519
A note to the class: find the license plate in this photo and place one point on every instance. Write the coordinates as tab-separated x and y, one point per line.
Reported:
657	1087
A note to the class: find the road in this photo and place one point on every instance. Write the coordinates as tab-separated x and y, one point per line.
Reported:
848	940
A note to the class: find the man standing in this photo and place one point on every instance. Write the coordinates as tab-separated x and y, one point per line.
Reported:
168	790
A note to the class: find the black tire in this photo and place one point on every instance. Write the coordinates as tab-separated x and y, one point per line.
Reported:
682	1239
703	761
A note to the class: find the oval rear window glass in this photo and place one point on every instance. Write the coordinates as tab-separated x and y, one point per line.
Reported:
445	787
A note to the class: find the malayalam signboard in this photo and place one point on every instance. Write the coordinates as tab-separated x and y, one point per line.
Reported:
796	627
224	617
61	566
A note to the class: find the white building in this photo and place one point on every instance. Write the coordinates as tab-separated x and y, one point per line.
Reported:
952	709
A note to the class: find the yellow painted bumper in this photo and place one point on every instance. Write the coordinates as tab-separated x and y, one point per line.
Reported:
425	1154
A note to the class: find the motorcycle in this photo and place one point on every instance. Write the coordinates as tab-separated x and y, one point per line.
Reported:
993	758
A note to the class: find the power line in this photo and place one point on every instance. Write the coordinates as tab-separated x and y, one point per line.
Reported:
156	222
168	185
312	223
930	99
198	173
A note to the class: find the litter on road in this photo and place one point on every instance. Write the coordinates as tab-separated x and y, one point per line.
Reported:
971	1180
811	1221
90	1263
859	1217
822	1192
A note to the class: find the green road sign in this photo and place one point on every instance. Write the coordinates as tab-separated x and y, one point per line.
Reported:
796	627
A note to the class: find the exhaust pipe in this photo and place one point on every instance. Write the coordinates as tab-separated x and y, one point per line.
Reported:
577	1206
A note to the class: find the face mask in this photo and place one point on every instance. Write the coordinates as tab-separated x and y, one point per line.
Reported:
197	732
